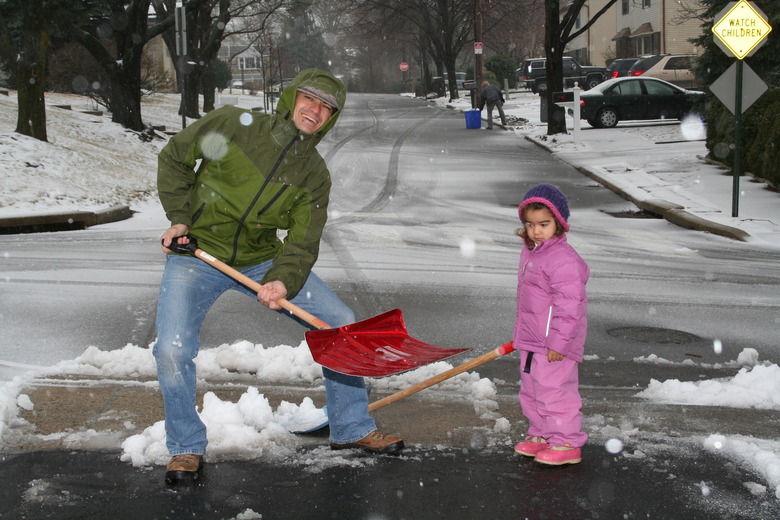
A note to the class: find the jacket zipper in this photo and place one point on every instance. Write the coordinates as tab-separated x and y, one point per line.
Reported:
257	196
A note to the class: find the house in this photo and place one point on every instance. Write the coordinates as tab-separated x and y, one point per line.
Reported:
656	27
635	28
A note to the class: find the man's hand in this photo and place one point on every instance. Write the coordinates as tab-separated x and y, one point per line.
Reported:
176	230
270	292
553	356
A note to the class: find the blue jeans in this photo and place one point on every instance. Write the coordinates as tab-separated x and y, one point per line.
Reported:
188	289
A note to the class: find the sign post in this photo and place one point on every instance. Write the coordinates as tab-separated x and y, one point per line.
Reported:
181	50
404	67
739	29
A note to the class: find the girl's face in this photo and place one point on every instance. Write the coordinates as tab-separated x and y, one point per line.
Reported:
540	224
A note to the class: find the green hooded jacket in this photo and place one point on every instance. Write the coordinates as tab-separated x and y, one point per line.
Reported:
236	177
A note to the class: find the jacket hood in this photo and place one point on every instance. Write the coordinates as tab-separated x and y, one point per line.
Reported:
319	79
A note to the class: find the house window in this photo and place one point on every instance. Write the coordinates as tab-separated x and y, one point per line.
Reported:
247	62
646	3
626	6
644	45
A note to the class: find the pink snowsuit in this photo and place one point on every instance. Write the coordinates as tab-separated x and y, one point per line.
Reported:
552	311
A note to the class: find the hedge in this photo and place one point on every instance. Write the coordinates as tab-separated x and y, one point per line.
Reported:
760	136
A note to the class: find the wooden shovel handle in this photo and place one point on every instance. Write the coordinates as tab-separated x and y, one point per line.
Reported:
244	279
506	348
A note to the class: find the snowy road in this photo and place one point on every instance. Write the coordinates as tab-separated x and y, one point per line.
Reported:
422	218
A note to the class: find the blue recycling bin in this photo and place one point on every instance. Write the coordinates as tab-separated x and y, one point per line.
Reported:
473	119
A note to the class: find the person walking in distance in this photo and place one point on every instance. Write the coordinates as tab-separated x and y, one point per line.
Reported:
493	98
232	180
550	330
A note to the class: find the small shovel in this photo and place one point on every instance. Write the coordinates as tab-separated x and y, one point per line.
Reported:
378	346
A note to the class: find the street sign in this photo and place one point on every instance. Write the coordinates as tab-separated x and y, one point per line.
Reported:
725	87
740	29
404	66
477	47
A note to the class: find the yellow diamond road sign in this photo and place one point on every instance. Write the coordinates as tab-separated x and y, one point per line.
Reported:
741	28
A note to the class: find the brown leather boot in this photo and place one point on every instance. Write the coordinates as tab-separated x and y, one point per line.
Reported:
375	442
184	468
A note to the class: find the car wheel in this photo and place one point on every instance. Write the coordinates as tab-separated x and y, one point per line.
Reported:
607	117
592	82
592	122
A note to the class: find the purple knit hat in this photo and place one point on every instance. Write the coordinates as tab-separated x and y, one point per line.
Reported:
551	197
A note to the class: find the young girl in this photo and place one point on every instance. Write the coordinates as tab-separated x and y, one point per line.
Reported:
550	330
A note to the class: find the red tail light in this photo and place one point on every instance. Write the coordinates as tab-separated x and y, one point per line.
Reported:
615	74
637	72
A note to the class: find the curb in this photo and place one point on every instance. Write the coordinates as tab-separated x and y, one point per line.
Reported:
671	212
67	221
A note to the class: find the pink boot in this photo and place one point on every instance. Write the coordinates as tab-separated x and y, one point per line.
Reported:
531	446
559	455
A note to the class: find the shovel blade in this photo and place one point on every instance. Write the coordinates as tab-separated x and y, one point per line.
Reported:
378	346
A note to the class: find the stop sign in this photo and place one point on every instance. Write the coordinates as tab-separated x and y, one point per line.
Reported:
404	66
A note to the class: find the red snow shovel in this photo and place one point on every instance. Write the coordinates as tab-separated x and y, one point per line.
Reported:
378	346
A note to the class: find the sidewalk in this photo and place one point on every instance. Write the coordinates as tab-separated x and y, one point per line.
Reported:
697	195
652	165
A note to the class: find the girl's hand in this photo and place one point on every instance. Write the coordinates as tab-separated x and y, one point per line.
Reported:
553	356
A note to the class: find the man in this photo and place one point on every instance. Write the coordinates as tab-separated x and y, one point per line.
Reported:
493	96
231	180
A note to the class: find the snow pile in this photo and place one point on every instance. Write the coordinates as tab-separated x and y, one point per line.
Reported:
236	431
10	401
282	363
756	387
762	455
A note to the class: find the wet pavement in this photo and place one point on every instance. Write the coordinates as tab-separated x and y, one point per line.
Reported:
420	484
457	463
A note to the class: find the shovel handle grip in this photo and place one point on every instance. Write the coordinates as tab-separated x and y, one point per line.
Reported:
192	249
406	392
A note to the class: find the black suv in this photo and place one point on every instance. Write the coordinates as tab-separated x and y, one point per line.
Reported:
532	74
620	67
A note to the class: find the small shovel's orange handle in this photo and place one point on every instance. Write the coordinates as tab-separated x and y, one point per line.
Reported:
506	348
244	279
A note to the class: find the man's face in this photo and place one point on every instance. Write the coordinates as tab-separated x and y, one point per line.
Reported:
310	113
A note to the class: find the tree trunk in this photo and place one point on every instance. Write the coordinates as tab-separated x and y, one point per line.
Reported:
556	116
126	96
192	84
31	116
31	72
208	89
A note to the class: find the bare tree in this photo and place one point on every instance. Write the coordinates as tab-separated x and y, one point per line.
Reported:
208	24
559	31
25	52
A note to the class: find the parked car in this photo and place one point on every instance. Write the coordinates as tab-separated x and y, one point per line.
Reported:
674	69
644	63
620	67
635	98
532	74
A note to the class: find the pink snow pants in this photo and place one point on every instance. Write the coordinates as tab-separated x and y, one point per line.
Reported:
550	399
